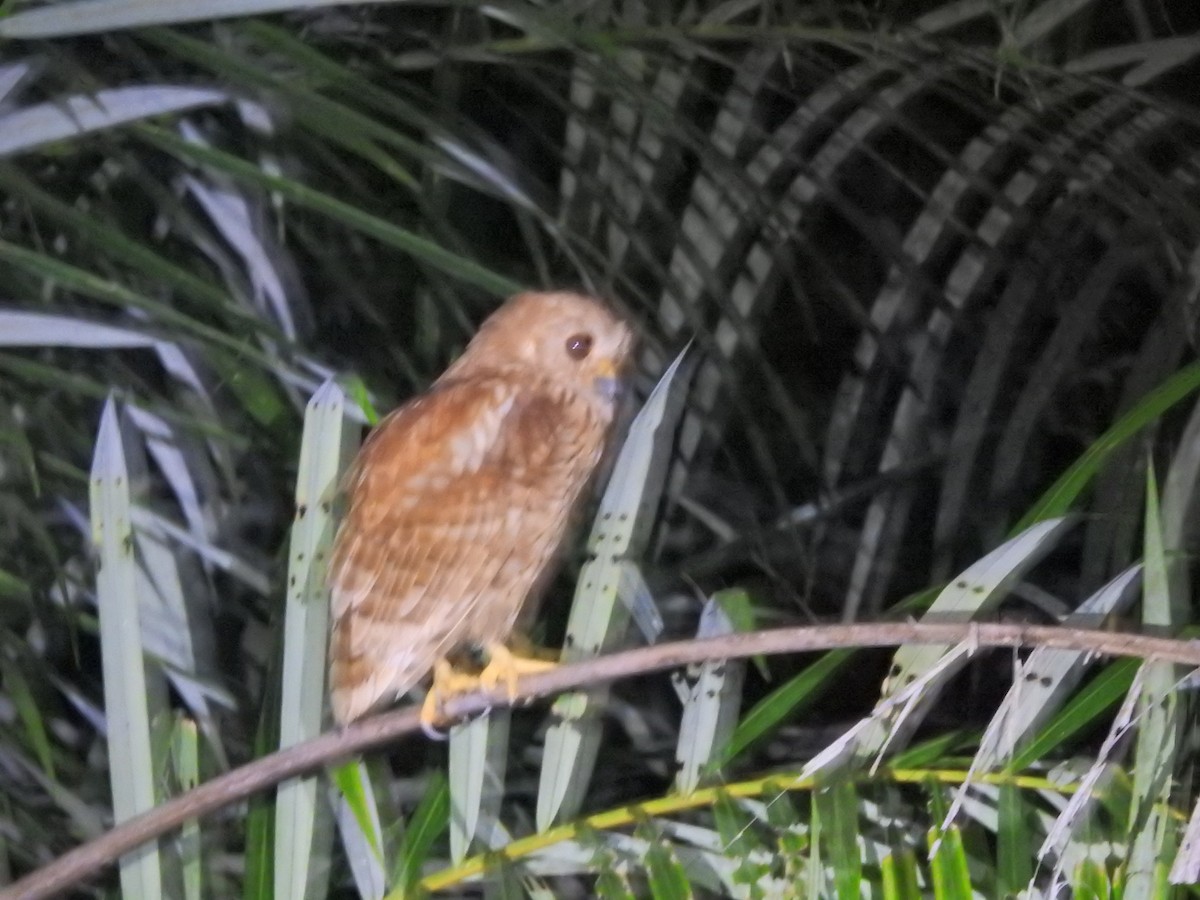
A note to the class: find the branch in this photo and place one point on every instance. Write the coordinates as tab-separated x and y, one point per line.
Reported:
75	865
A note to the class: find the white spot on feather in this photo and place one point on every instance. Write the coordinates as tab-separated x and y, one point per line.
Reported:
470	447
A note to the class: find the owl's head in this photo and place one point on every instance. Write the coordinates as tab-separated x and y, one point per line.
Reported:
576	341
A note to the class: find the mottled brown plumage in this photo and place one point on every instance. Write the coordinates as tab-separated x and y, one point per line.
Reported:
459	499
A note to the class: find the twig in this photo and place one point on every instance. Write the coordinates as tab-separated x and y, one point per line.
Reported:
77	864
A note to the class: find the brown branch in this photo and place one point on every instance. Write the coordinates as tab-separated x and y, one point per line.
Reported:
75	865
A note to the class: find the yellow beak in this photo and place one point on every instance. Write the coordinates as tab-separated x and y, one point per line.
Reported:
605	368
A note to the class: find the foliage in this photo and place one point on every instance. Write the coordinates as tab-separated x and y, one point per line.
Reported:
930	255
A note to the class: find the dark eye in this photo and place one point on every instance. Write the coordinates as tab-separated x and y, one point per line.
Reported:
579	346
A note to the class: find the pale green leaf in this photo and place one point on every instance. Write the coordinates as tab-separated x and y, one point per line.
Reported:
131	766
325	449
598	618
478	760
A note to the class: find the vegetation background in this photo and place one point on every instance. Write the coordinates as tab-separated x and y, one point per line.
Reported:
928	252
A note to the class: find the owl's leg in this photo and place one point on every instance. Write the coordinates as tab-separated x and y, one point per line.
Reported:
506	667
447	682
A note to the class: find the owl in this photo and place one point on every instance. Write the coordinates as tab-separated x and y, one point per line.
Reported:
460	499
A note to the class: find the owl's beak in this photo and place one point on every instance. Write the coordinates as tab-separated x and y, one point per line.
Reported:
606	368
608	379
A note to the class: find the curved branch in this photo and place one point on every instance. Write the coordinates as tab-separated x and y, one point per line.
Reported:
77	864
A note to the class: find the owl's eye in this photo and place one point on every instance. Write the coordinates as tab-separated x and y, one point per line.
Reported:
579	346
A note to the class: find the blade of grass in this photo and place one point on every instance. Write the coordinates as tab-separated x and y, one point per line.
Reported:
92	16
81	114
419	248
325	448
358	822
1061	495
980	587
131	766
428	822
1151	830
17	690
598	620
185	760
710	703
478	761
786	700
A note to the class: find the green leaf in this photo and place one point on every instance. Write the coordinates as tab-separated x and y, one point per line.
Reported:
12	586
334	122
258	395
1152	832
419	248
1091	882
598	619
933	750
611	886
429	822
92	16
359	823
900	875
948	868
787	700
301	820
356	388
740	840
352	784
1080	713
1014	844
816	885
185	761
837	803
791	831
30	714
1061	495
260	820
921	670
131	765
116	245
738	606
710	703
666	876
110	291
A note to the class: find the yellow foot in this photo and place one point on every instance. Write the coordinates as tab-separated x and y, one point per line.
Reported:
506	667
446	683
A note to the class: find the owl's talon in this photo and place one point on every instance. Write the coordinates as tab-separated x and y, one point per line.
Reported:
428	728
506	667
431	713
446	683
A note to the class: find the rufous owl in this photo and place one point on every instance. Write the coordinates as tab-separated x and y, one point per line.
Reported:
460	499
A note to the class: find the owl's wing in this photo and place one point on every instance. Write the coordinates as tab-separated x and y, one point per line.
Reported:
436	506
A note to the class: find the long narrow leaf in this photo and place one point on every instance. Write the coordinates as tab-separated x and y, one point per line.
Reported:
478	761
1058	499
185	760
131	766
1160	723
325	447
357	814
979	588
420	248
90	16
429	820
710	703
598	618
75	116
